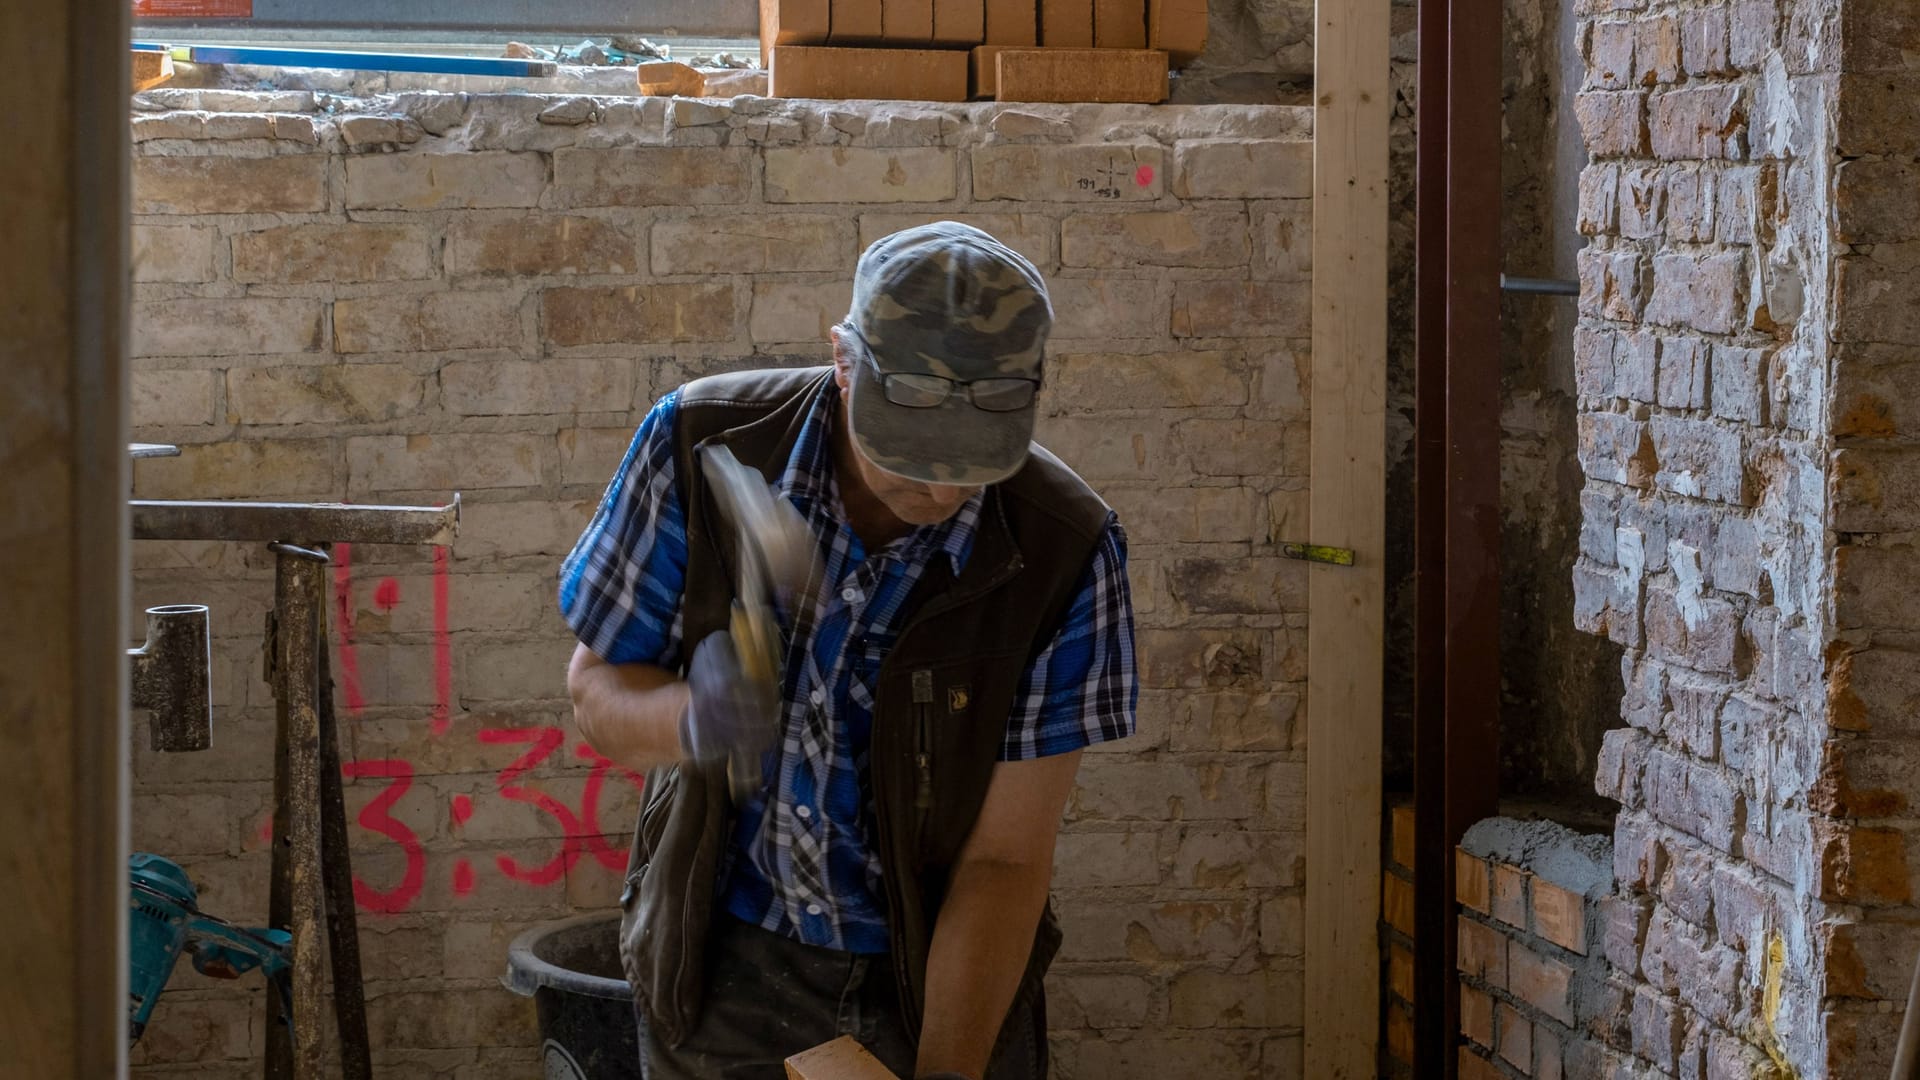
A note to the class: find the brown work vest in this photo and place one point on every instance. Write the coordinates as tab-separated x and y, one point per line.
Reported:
945	691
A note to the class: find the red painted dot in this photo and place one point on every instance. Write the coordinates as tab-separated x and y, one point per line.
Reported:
1143	175
462	878
386	595
266	830
462	809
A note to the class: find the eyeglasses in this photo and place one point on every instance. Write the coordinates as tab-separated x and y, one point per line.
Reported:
912	390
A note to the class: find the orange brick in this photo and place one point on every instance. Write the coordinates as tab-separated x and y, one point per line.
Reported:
1400	971
1516	1038
1400	1033
1559	915
1470	881
1510	895
1396	903
1547	1057
1540	982
1475	1067
1476	1015
1483	952
1402	845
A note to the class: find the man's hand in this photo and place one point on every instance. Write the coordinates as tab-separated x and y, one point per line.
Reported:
726	711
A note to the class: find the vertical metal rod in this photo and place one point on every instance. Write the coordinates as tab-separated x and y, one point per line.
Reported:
336	871
298	593
1457	508
1435	988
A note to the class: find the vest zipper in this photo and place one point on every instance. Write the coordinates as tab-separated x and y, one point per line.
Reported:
923	740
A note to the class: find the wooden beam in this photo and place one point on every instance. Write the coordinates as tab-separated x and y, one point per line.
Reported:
1347	509
64	474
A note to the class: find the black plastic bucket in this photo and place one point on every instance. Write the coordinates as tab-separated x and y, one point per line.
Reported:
571	969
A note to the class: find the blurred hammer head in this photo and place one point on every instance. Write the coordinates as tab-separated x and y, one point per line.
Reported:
776	548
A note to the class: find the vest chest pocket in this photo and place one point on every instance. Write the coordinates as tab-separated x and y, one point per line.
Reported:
652	825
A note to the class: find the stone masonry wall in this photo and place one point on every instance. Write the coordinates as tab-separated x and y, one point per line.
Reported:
1745	332
395	299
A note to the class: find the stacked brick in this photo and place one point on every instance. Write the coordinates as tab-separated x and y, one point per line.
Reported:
1533	994
393	300
948	50
1745	331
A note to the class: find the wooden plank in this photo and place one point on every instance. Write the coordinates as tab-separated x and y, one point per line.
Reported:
1179	27
809	71
1012	22
65	472
1119	24
842	1059
1345	605
1096	75
1066	23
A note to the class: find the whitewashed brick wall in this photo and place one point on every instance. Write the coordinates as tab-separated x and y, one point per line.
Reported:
395	299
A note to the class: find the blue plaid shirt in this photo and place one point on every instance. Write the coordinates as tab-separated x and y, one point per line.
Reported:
802	860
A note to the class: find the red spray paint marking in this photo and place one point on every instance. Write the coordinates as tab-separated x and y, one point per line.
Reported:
343	625
545	741
442	647
386	595
375	818
462	878
1143	175
462	809
594	835
266	829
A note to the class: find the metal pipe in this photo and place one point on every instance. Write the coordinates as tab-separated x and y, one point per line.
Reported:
171	672
345	523
1540	286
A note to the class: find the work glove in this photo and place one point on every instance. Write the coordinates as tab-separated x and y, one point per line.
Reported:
727	713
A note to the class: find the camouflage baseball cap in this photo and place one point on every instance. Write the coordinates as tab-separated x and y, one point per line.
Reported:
952	327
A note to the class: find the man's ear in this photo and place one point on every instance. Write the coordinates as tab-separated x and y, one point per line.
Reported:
842	358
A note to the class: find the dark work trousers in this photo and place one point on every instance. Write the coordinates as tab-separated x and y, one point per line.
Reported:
770	997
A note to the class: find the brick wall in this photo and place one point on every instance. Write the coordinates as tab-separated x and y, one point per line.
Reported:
1746	514
391	300
1534	1000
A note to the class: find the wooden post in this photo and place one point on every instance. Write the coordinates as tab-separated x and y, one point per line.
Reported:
1345	604
63	482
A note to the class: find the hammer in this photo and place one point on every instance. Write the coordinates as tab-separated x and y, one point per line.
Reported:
775	561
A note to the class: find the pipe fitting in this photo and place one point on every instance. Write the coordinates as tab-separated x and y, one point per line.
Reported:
171	675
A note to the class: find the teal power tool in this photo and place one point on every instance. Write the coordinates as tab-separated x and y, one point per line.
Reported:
164	922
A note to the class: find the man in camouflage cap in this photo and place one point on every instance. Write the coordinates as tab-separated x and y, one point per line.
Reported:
969	634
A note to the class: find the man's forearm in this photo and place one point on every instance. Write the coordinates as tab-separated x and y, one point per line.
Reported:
630	713
981	944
